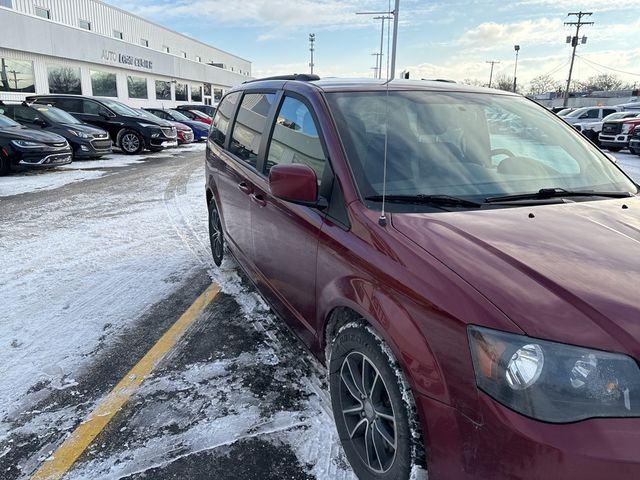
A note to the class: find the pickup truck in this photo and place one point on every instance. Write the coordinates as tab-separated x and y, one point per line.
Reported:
616	134
589	115
592	129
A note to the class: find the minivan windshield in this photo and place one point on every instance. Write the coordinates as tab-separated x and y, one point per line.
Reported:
469	145
119	108
56	115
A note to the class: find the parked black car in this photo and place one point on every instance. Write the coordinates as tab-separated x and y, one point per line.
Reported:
22	147
86	140
208	109
129	132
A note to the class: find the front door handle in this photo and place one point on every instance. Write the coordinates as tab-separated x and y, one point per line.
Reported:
259	199
244	188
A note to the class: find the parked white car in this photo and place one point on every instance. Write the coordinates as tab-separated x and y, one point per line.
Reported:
585	115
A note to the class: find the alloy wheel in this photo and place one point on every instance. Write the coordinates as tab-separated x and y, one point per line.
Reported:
215	234
368	412
130	142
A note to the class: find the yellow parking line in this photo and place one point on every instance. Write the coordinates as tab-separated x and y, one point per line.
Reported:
56	466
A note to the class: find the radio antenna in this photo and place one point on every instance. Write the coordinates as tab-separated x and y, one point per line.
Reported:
382	221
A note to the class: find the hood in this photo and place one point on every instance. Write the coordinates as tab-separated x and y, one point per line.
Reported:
83	127
567	273
29	134
197	125
181	127
152	121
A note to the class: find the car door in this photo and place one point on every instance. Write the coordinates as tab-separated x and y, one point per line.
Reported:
285	235
237	171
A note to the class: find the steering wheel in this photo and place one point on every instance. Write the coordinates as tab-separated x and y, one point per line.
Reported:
502	151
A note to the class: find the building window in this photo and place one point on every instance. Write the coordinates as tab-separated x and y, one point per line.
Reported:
16	76
181	92
183	54
196	93
43	13
198	59
144	42
64	79
117	34
166	49
104	84
163	90
137	87
217	94
84	24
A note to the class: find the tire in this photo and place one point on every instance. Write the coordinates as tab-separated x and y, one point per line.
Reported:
614	149
370	410
5	166
634	151
130	142
216	236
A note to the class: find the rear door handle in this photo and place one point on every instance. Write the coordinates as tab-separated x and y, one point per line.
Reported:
244	188
259	199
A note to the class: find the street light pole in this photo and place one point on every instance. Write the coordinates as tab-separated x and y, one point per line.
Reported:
396	14
312	40
515	69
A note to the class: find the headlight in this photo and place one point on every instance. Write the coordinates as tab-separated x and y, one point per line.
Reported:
80	134
27	144
626	127
552	381
148	125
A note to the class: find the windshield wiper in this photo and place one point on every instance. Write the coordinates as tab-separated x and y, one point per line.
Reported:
422	199
546	193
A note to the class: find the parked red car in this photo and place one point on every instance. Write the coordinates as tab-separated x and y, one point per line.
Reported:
197	116
185	134
464	262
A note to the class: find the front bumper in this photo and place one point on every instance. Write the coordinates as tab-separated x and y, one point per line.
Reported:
185	137
92	148
45	159
621	140
507	445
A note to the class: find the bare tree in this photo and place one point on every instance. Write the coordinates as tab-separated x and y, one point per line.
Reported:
473	82
603	82
504	82
543	84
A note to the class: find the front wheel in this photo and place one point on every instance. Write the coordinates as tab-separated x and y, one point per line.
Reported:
635	151
216	236
130	142
5	166
376	425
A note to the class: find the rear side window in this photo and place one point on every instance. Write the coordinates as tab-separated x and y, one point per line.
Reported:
73	105
94	108
607	111
25	114
295	138
220	123
249	126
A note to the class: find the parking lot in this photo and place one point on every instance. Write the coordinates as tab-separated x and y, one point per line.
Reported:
99	260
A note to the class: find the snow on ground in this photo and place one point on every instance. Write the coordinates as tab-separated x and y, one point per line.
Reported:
630	163
38	180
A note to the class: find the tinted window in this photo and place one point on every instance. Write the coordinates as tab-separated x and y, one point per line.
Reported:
56	115
249	126
161	114
137	87
94	108
73	105
7	122
16	76
64	80
25	114
104	84
607	111
163	90
196	93
220	123
295	138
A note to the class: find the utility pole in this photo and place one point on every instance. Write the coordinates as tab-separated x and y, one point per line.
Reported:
381	54
395	13
574	43
378	68
492	62
312	40
515	69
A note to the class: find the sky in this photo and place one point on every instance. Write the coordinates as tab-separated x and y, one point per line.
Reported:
452	40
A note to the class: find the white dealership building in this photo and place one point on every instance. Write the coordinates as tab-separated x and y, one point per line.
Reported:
90	48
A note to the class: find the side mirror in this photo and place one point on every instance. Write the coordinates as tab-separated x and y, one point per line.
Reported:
295	183
40	122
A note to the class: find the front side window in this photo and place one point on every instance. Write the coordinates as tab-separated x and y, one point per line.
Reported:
65	80
220	123
24	114
468	145
137	87
295	138
94	108
120	108
103	84
181	92
163	90
250	125
56	115
16	76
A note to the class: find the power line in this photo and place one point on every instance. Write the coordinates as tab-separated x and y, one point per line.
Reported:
608	68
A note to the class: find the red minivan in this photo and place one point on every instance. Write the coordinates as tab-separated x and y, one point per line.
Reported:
465	264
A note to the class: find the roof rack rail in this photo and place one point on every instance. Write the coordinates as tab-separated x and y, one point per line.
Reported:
303	77
445	80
